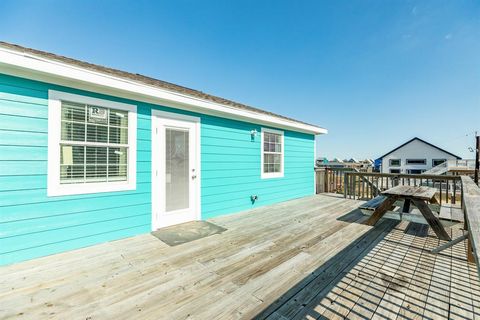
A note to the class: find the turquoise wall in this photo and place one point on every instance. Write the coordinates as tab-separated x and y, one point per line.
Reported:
34	225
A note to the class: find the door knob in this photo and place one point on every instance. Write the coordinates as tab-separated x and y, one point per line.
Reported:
194	176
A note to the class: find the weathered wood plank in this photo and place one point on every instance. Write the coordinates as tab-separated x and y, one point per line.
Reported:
419	192
399	274
312	257
461	304
416	296
432	220
381	209
437	304
413	216
471	205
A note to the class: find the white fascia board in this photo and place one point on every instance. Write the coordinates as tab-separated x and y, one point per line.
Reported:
38	68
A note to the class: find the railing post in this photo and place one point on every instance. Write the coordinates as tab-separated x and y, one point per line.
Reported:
345	183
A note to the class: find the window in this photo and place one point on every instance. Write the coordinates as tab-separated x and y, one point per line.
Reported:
92	145
394	170
415	171
417	161
272	153
436	162
395	162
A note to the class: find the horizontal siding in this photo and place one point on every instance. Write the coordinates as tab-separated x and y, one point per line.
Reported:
117	232
52	208
34	225
23	138
20	123
28	196
231	168
44	224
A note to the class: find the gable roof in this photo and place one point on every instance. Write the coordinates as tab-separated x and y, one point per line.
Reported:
428	143
150	82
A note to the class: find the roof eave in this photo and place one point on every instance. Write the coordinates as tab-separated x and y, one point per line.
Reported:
20	63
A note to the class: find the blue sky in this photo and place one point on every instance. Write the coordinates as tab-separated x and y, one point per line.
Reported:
375	73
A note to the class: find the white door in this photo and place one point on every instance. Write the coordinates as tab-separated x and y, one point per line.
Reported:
175	169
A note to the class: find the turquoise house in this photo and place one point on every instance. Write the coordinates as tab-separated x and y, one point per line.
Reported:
90	154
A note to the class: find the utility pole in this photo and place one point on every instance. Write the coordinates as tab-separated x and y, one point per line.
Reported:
477	156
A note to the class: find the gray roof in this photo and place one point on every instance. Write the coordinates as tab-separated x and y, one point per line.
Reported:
143	80
417	138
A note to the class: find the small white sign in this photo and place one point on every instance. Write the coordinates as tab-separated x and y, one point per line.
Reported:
97	114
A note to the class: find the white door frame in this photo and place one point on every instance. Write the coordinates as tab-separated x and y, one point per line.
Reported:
156	158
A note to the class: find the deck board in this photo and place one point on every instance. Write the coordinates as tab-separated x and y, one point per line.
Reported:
307	258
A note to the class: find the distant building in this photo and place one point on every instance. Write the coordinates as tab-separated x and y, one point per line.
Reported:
414	157
351	163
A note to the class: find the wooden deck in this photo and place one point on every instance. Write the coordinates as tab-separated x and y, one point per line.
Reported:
310	258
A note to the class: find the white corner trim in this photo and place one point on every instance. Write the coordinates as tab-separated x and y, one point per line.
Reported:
54	187
68	74
271	175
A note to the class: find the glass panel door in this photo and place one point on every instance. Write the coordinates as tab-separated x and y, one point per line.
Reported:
177	169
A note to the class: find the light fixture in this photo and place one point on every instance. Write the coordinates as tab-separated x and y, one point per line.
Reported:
253	133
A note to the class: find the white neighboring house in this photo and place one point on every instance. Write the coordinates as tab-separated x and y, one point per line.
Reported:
414	157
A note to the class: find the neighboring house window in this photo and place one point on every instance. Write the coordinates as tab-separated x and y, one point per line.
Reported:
415	171
417	161
272	153
395	162
394	170
436	162
91	146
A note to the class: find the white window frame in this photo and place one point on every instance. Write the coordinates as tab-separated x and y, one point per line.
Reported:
268	175
54	187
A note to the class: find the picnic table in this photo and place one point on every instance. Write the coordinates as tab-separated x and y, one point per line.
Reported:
420	197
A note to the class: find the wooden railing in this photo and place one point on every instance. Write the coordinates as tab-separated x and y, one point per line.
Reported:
471	209
367	185
330	180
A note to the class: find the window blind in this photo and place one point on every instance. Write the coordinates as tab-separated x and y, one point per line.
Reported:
94	144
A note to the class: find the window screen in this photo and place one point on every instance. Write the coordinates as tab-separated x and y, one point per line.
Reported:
94	144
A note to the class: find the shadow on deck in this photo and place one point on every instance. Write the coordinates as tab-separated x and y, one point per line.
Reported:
387	273
307	258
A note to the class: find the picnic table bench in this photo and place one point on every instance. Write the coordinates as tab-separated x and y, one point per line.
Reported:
424	200
448	214
419	196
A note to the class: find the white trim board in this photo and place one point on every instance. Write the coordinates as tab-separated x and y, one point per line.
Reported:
54	187
38	68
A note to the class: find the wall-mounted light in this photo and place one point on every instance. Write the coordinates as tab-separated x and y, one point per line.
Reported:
253	133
